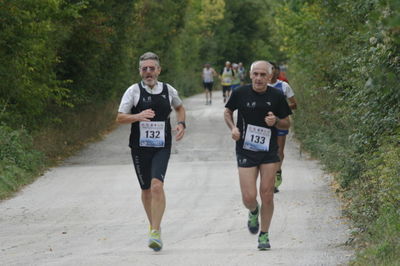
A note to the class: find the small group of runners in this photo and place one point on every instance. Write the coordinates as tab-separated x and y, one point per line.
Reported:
231	77
262	112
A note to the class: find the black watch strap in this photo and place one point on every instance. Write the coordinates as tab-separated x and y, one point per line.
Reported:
182	123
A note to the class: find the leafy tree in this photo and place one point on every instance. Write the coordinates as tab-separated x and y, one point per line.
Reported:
29	40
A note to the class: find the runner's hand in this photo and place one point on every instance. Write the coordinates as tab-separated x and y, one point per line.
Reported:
180	131
270	119
145	115
235	134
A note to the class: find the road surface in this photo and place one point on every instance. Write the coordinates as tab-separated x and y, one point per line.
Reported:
88	211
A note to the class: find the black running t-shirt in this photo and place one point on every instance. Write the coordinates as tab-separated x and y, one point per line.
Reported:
252	108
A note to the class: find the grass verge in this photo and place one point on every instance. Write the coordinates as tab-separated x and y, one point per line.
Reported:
24	156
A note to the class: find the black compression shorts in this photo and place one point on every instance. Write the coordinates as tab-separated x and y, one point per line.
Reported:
150	164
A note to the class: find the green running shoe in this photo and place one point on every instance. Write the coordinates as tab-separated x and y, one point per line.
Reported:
252	223
155	242
278	179
263	242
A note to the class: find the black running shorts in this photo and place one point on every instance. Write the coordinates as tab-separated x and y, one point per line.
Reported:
208	85
226	88
150	163
256	159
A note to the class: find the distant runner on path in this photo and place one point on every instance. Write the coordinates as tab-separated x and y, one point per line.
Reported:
261	111
226	77
236	77
208	75
147	106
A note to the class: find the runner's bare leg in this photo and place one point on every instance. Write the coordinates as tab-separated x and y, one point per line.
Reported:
248	186
267	173
146	200
157	203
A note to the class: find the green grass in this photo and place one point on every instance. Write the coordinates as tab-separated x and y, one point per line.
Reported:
380	244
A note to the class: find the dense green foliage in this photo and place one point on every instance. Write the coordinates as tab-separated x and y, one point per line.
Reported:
19	162
58	55
59	59
65	64
344	62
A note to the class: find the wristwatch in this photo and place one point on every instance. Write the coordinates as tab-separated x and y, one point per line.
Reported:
182	123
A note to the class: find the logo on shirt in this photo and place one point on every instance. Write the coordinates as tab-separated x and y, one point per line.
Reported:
269	103
251	104
164	96
147	100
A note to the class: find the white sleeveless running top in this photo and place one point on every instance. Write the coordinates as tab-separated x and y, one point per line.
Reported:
207	75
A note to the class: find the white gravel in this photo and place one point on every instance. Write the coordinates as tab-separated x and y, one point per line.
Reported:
88	211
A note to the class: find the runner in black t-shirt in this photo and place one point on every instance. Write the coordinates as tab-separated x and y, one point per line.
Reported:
261	110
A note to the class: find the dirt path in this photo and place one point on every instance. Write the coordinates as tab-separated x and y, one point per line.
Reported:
88	211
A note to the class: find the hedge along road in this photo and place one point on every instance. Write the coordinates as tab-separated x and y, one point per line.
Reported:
88	211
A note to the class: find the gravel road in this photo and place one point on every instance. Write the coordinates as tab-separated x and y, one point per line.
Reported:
88	210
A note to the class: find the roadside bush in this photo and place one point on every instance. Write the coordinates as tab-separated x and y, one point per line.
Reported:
19	162
345	68
378	188
381	244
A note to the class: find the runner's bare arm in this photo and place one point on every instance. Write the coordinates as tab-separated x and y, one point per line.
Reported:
292	103
180	117
145	115
228	116
283	123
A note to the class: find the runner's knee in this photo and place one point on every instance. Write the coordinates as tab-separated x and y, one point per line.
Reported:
249	198
267	195
156	187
